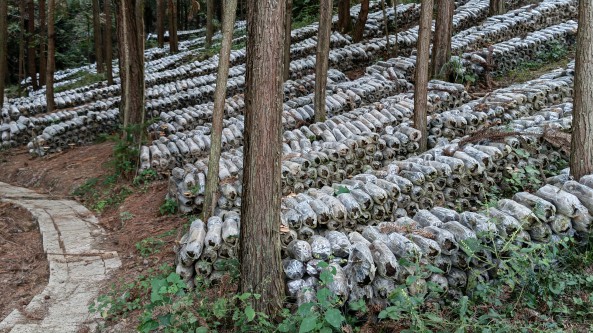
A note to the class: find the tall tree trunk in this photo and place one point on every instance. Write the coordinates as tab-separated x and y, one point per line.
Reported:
173	42
209	22
441	50
31	54
51	55
361	22
3	46
421	76
22	70
108	43
321	58
97	35
581	157
211	190
160	22
395	45
132	50
42	43
497	7
287	38
344	19
261	267
386	23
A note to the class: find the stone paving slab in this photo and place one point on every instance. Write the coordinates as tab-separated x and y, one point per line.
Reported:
77	266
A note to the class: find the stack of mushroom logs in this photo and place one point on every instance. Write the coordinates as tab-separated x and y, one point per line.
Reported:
186	92
361	226
366	138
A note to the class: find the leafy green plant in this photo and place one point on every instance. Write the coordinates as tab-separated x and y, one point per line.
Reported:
169	207
145	177
455	70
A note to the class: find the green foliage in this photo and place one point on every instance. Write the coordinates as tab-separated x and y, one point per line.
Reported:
153	245
456	72
169	207
102	193
145	177
341	189
126	150
527	177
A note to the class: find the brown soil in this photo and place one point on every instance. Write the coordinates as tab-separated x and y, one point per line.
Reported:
24	270
58	175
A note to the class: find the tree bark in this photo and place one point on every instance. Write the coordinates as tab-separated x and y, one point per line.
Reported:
344	19
31	54
321	59
3	47
287	38
421	75
261	267
22	70
441	50
108	42
42	43
51	56
160	22
173	42
361	22
211	190
209	22
497	7
132	52
97	38
581	157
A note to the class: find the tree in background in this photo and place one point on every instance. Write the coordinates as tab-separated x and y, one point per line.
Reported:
3	46
581	157
21	43
51	55
131	48
259	252
209	22
173	42
384	10
358	32
97	36
31	49
441	50
42	43
496	7
108	42
421	75
321	58
287	38
344	19
210	199
160	22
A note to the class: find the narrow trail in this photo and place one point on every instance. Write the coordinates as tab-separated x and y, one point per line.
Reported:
77	265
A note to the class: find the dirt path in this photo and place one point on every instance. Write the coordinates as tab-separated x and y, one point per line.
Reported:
71	238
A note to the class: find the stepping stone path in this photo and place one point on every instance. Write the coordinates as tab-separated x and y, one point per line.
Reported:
71	236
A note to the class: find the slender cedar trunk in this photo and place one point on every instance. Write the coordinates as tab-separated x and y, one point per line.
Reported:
211	190
108	43
3	46
209	22
21	43
132	48
386	23
31	54
361	22
421	79
51	55
344	19
287	38
321	58
97	35
261	267
119	28
395	46
42	43
496	7
173	43
581	157
160	22
441	50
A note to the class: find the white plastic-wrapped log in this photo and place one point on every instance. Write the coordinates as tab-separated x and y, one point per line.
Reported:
339	284
361	267
230	229
193	244
340	245
582	192
385	261
544	210
568	205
